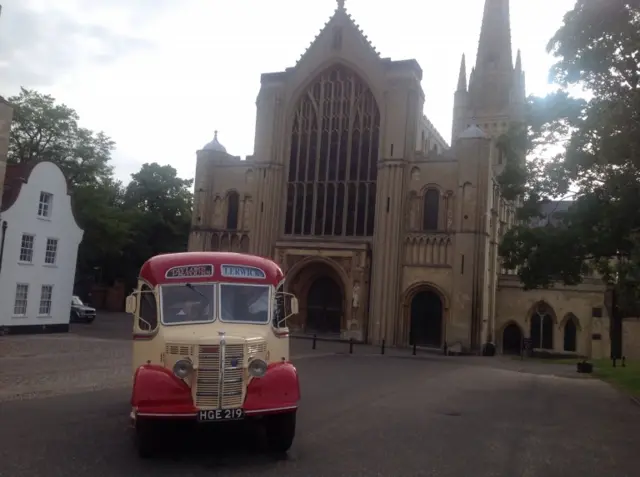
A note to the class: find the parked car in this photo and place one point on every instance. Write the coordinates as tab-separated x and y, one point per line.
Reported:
81	313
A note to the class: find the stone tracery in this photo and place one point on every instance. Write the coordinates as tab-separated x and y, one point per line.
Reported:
333	163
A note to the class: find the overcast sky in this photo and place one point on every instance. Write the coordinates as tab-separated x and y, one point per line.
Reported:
159	76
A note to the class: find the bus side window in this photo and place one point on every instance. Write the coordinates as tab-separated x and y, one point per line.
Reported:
279	308
148	309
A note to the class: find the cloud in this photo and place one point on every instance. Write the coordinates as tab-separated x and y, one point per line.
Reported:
40	43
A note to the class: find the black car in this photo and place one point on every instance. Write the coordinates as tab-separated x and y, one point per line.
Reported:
81	313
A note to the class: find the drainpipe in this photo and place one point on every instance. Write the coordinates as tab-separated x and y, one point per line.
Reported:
4	234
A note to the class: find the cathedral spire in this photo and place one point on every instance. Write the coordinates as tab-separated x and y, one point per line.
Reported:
340	4
494	48
462	76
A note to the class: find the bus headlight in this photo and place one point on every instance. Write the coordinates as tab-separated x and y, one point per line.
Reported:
182	368
257	368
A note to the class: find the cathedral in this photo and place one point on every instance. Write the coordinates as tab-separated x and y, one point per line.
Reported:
383	229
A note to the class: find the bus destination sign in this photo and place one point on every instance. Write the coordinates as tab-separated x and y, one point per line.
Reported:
242	271
190	271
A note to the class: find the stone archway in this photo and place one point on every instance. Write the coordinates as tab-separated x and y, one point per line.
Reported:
426	326
320	289
512	339
570	326
404	335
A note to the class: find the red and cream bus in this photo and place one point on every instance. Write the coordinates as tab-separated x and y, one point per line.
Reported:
210	344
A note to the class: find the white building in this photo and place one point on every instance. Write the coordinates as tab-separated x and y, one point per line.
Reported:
38	260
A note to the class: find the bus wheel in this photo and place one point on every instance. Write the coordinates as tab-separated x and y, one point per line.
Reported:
146	440
281	429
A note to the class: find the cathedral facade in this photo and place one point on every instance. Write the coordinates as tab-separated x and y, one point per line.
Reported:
384	230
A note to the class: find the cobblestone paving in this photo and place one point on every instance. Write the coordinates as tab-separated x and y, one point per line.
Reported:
37	366
88	358
98	356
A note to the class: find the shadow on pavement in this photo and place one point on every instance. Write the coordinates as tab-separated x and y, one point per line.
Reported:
213	447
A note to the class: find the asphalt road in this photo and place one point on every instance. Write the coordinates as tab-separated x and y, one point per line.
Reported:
361	415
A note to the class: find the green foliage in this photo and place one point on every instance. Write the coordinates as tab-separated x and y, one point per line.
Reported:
44	130
163	204
123	226
594	147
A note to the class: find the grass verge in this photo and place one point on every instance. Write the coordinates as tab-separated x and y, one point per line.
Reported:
625	378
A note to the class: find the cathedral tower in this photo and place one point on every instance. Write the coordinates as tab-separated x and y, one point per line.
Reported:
495	94
484	108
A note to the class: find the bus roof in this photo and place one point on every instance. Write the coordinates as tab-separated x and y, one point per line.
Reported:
194	267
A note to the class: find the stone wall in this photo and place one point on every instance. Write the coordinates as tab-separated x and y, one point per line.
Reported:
6	114
583	303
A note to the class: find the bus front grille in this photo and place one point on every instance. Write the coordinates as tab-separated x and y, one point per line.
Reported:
218	386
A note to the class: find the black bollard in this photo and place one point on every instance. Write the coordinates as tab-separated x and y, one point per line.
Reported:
624	361
313	342
382	348
414	348
614	361
350	345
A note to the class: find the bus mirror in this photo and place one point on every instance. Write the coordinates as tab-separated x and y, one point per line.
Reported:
131	304
285	311
294	305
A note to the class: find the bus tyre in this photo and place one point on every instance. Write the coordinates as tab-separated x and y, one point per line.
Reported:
146	439
281	429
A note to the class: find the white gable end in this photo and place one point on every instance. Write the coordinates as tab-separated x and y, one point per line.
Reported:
40	253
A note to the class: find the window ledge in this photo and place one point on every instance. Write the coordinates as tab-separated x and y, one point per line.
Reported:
50	265
25	263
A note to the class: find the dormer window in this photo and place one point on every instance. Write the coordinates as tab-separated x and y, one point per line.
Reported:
44	207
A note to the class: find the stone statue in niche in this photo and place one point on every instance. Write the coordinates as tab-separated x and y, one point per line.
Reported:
217	212
355	295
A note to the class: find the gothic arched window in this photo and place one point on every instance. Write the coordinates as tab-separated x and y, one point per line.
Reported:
331	187
542	327
233	206
430	210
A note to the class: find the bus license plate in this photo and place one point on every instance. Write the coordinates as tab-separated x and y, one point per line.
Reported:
216	415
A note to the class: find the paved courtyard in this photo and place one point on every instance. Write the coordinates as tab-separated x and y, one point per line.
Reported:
64	405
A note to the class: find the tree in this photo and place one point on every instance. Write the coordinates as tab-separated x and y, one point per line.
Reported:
161	203
44	130
123	226
598	163
108	229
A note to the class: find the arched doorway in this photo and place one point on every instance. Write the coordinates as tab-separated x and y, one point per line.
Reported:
324	306
570	334
511	339
426	319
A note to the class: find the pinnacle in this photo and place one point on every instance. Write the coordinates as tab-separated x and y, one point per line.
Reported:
462	77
